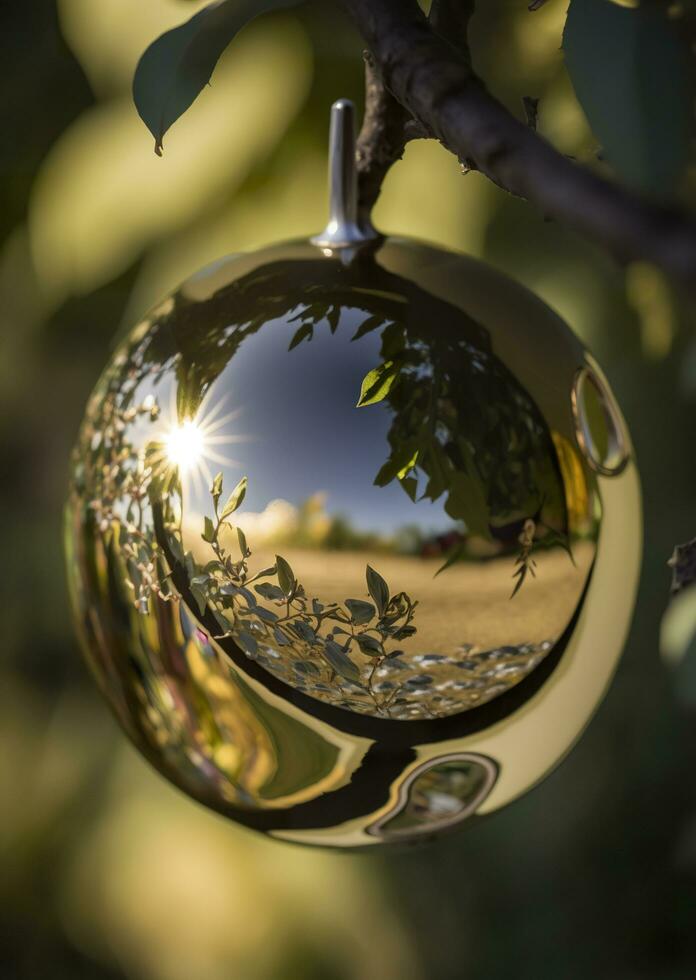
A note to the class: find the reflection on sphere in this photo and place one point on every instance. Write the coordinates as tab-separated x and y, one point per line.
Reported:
325	480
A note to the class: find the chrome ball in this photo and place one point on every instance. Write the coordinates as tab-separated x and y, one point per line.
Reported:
353	539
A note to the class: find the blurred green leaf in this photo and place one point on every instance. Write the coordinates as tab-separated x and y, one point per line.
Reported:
678	643
631	74
176	67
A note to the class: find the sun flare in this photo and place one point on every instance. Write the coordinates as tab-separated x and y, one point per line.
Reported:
195	445
185	446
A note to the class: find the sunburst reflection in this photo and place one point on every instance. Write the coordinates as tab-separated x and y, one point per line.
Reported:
195	446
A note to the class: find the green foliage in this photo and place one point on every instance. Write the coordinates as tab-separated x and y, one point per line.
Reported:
226	589
630	69
177	66
463	422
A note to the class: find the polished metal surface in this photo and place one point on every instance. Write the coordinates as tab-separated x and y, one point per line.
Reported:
346	229
343	558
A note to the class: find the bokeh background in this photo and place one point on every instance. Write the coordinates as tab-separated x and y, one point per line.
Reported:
106	871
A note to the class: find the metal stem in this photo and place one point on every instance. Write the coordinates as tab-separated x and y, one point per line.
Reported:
344	229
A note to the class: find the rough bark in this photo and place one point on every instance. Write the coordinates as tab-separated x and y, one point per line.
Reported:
435	85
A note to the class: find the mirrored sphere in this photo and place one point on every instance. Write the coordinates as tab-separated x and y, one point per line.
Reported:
353	539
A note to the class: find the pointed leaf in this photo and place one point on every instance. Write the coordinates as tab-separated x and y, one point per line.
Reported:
243	547
286	577
208	530
305	332
235	499
216	489
371	323
410	486
176	67
377	384
378	589
334	316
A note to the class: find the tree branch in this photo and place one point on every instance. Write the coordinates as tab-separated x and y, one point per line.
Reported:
439	90
450	19
382	139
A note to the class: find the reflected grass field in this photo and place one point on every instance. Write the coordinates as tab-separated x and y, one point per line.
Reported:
461	655
454	607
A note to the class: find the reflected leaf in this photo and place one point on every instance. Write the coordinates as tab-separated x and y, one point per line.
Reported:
378	589
235	499
305	332
341	663
243	546
269	591
286	577
360	612
378	383
247	642
467	502
370	646
208	530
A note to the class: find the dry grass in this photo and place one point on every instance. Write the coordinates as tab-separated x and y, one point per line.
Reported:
467	604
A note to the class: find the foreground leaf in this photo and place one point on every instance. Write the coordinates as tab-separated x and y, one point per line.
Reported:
176	67
630	71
